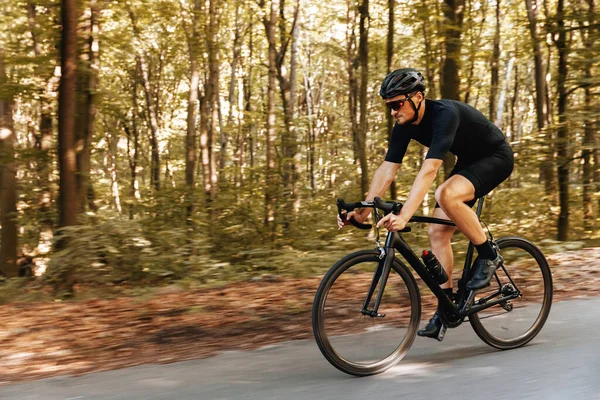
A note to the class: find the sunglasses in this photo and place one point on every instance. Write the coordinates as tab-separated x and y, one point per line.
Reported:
395	105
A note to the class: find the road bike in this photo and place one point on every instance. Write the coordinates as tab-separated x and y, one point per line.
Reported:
367	309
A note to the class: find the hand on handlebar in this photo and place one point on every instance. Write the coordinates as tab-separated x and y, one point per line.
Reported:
357	216
393	222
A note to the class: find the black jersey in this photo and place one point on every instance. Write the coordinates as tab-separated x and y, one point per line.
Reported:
448	125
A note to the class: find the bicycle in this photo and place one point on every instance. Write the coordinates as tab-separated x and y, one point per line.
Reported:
337	314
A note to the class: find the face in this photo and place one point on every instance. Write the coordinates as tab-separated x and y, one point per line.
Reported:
404	110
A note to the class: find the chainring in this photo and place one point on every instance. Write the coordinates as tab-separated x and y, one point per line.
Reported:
450	321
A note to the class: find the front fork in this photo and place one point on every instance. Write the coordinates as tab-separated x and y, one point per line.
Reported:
382	272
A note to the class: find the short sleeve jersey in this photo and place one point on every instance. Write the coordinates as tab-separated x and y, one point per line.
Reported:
448	126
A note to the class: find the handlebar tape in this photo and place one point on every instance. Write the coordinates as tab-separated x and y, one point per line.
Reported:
348	207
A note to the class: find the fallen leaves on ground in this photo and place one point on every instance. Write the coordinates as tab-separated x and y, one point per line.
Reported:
47	339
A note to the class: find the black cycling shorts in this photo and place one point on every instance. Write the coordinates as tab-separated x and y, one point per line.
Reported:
487	172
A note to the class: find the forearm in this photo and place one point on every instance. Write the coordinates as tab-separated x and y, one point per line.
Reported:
382	179
420	187
379	185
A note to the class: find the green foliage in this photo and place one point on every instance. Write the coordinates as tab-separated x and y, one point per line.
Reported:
110	251
21	289
118	251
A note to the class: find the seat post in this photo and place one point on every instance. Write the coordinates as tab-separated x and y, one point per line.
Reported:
480	206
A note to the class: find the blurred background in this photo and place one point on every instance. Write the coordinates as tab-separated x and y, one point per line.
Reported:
169	169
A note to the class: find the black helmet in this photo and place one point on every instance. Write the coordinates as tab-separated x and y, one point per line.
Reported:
402	81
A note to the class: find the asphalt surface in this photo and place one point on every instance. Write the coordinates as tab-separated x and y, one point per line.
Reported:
562	362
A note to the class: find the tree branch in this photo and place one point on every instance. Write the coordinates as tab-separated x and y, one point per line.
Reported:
285	43
583	154
580	86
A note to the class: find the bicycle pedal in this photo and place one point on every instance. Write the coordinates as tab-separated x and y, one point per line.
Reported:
442	333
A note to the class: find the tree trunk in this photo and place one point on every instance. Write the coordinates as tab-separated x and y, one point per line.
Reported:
8	190
311	142
500	110
270	189
135	187
513	105
213	97
430	52
205	150
235	59
150	105
596	157
66	110
390	55
541	104
351	66
86	110
363	54
44	142
588	172
289	140
113	142
474	47
453	17
154	128
190	139
589	140
293	137
250	124
495	61
133	159
563	130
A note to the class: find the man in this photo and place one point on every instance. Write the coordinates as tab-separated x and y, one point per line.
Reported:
484	161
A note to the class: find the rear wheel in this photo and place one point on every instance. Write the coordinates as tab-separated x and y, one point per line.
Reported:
360	344
515	322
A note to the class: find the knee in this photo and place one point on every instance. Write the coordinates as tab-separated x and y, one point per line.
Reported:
444	195
440	234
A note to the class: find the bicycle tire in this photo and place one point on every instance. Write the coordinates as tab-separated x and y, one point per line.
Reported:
318	318
505	244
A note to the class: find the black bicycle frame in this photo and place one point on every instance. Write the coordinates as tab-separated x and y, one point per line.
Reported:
394	241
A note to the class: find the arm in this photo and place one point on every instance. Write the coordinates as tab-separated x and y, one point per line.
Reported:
384	175
382	179
420	187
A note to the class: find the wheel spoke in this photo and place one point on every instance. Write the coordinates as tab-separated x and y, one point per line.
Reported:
515	322
365	345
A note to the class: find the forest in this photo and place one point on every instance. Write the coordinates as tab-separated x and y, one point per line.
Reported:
145	142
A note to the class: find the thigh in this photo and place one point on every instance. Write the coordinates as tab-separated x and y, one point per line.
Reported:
457	187
489	172
461	187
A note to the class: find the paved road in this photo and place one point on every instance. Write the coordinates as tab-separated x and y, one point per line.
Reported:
563	362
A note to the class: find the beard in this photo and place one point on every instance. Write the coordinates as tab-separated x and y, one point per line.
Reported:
403	119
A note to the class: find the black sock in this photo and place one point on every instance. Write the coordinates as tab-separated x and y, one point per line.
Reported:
486	250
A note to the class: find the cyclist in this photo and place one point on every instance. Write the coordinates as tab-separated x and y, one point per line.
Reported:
484	160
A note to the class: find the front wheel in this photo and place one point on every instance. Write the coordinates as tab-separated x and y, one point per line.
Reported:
515	322
360	344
